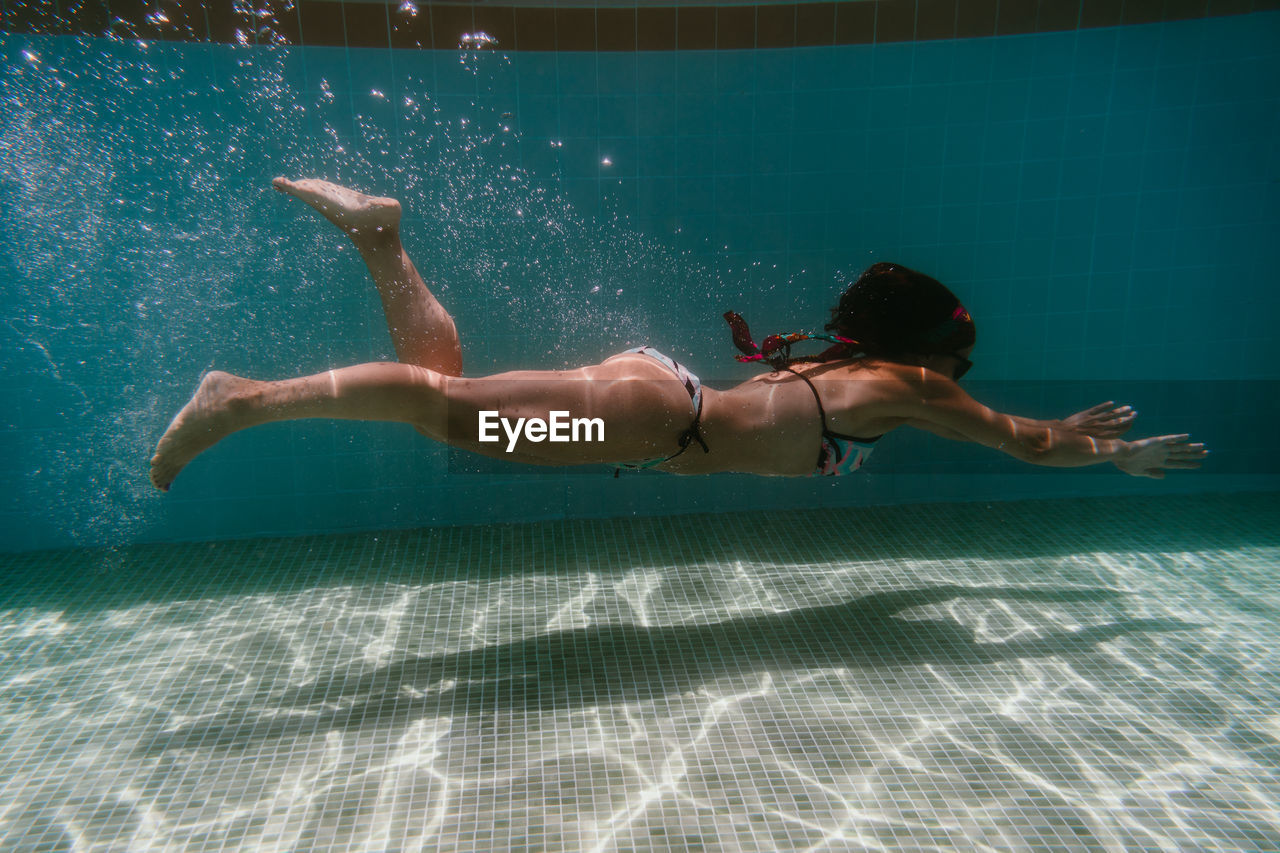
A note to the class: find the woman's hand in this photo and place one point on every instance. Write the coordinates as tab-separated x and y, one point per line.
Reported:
1150	457
1104	420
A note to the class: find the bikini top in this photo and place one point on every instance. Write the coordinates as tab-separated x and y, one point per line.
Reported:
839	453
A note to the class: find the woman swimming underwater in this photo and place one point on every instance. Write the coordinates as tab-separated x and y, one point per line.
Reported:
900	341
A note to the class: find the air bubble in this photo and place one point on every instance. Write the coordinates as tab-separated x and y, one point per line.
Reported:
504	234
476	41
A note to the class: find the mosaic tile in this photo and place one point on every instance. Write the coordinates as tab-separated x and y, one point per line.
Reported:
1067	674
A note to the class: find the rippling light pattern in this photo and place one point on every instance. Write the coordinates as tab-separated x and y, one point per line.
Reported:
1058	675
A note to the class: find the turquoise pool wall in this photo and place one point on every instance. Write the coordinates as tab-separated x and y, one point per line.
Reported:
1105	201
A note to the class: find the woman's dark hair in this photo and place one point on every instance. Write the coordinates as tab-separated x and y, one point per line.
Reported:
892	311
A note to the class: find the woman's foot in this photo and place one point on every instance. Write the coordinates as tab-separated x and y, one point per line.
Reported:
207	418
354	212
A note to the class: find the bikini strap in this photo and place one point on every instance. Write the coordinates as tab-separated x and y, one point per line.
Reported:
826	431
690	435
816	398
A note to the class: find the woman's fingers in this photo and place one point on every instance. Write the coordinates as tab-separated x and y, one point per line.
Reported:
1152	457
1106	419
1187	456
1181	453
1119	423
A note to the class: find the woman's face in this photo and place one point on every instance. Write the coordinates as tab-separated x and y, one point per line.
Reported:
960	362
954	364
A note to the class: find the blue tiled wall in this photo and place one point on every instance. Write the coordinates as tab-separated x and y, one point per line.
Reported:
1105	201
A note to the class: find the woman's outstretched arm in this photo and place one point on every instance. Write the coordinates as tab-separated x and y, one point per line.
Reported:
938	405
1105	420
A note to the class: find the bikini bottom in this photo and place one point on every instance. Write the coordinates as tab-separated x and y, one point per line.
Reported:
694	433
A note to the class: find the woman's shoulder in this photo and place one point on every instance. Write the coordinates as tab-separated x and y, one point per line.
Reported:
868	386
845	368
912	375
889	376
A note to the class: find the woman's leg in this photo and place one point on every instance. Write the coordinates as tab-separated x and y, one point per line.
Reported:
421	330
223	404
642	406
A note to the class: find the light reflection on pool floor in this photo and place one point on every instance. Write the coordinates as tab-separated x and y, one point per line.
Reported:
1093	674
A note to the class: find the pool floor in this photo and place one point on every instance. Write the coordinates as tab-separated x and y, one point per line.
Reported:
1098	674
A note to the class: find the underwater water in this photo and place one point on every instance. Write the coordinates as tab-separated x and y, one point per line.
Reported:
1090	674
338	636
1101	199
150	248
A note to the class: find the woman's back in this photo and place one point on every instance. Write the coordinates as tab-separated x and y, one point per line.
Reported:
771	424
